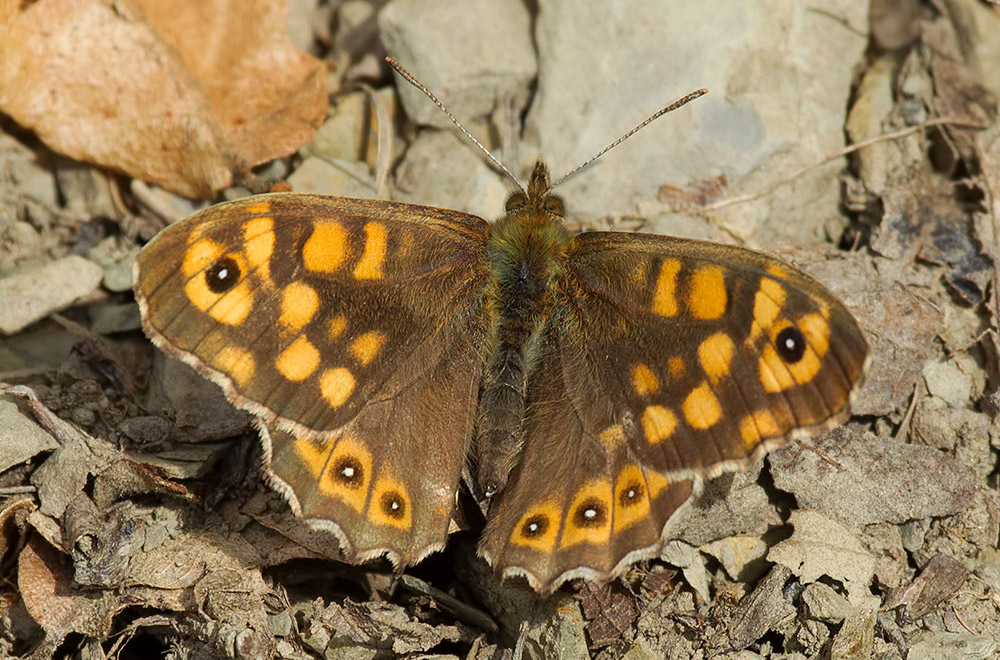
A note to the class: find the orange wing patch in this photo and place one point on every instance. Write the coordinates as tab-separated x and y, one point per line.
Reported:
658	424
336	385
390	503
707	297
299	304
327	247
258	236
237	363
644	381
665	294
701	408
204	266
369	267
347	470
589	516
767	305
715	355
631	498
757	426
367	346
298	361
538	527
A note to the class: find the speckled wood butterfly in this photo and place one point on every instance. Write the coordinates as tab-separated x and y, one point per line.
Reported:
592	381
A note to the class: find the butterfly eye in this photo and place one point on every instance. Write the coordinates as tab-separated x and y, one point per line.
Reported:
515	201
791	344
555	205
223	275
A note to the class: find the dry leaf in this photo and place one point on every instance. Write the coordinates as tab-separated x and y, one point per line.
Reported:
177	93
45	580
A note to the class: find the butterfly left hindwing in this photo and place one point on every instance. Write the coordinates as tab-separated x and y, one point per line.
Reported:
353	329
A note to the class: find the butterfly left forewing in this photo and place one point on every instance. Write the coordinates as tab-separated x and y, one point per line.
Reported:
711	353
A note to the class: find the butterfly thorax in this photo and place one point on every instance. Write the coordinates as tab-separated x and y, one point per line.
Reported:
527	249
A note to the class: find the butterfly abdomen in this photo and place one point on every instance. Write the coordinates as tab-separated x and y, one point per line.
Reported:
527	248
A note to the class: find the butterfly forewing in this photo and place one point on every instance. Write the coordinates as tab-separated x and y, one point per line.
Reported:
304	307
354	330
710	353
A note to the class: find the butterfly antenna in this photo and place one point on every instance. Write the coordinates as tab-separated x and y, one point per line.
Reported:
684	100
408	77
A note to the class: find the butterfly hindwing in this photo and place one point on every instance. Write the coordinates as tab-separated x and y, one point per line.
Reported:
386	482
577	504
353	330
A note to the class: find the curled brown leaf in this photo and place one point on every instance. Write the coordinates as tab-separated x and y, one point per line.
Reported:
178	94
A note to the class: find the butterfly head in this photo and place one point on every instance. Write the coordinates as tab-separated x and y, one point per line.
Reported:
539	195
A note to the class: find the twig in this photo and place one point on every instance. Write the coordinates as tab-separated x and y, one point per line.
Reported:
383	137
951	121
961	620
905	424
462	611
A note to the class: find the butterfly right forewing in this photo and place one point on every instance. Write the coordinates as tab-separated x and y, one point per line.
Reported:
353	330
303	307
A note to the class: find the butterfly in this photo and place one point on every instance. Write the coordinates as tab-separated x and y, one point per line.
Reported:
585	384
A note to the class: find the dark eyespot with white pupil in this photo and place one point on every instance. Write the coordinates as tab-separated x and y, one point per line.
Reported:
590	513
630	495
791	344
534	526
223	275
348	471
393	505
